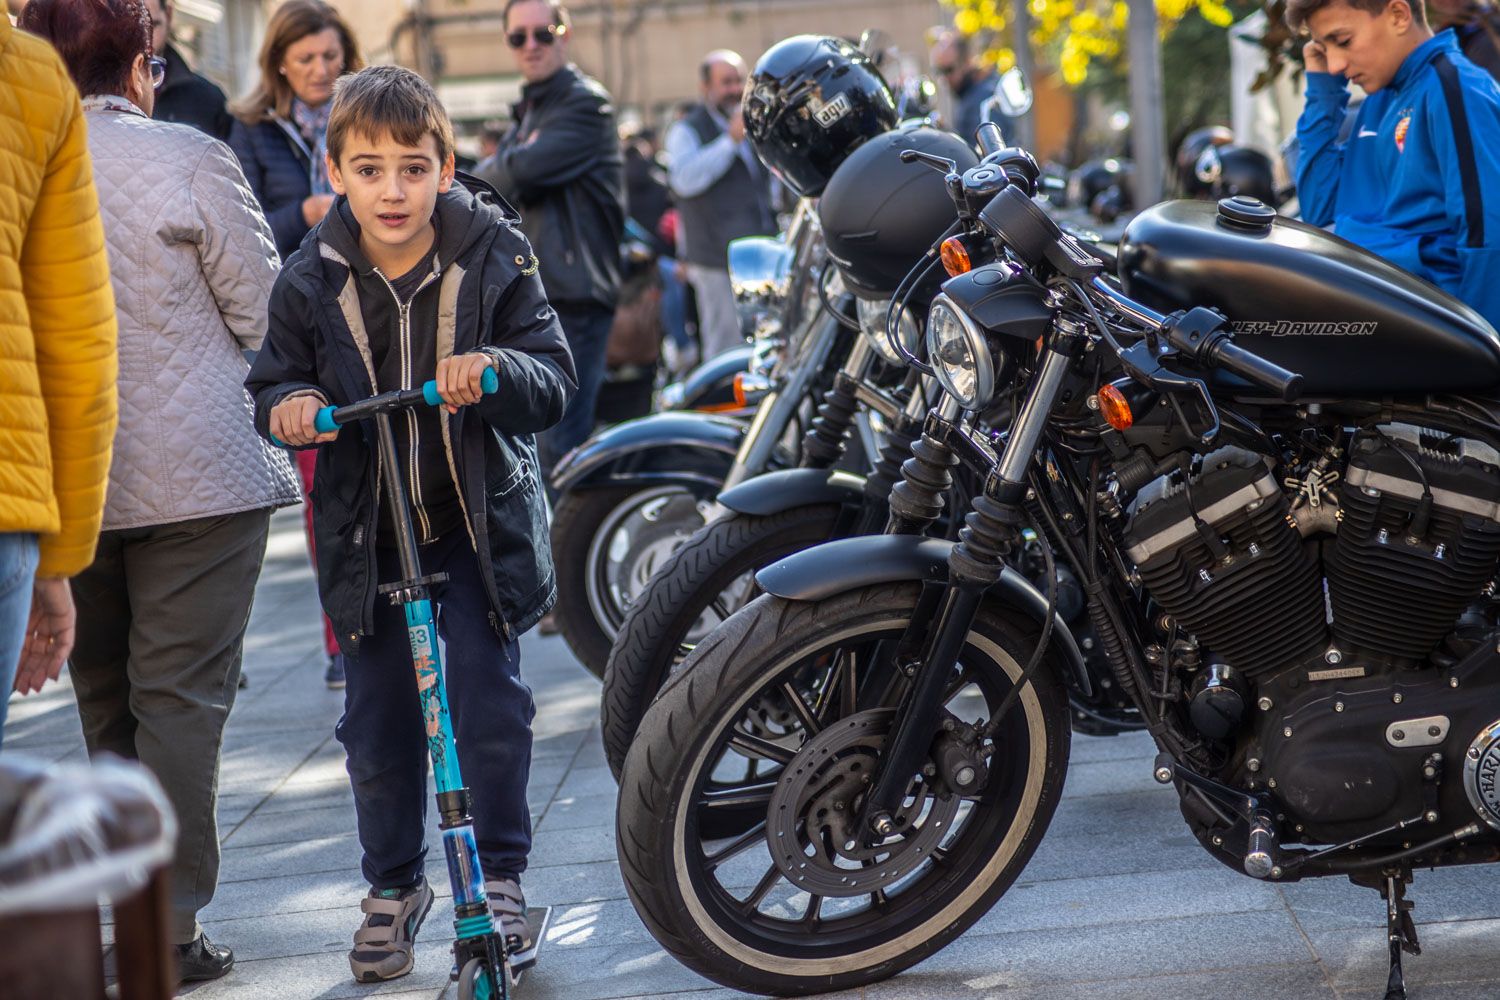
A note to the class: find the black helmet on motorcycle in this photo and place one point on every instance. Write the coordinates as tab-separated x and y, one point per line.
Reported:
880	215
812	101
1188	151
1103	185
1237	170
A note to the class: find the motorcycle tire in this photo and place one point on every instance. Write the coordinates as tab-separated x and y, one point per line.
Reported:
652	642
939	883
588	613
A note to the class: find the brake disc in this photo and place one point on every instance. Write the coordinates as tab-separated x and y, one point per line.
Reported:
812	823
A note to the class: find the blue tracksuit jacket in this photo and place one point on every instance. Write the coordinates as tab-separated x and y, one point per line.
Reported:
1418	179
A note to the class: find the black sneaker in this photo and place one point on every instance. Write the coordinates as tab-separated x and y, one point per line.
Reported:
334	675
202	959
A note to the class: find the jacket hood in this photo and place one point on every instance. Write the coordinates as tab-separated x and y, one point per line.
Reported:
462	220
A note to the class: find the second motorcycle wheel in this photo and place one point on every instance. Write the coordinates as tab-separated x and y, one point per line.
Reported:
698	586
606	543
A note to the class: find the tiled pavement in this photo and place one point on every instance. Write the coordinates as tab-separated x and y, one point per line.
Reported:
1118	903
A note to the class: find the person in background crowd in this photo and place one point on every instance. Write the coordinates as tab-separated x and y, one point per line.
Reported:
647	199
723	192
280	137
1477	25
560	163
184	96
164	606
490	134
970	85
280	128
57	334
1414	181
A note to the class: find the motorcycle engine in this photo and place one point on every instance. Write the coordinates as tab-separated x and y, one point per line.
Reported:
1328	635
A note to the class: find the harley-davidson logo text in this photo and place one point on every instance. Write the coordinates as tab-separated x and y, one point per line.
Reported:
1303	328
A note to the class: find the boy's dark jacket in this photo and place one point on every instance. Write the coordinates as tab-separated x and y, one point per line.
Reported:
322	314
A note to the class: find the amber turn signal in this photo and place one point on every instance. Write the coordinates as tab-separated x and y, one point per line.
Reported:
955	257
1115	408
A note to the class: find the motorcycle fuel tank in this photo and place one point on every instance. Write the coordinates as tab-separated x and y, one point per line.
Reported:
1349	322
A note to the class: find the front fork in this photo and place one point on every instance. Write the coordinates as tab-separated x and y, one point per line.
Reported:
474	931
990	532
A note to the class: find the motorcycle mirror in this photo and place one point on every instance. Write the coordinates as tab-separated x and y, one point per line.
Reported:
874	43
1012	97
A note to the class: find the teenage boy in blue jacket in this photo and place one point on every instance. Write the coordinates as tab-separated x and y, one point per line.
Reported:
410	277
1418	179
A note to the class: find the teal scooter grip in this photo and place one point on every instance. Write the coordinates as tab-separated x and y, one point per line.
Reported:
324	422
488	382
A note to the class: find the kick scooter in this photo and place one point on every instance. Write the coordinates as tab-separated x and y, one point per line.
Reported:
484	969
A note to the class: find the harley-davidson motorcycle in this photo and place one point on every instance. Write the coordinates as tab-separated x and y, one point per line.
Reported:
779	513
1272	459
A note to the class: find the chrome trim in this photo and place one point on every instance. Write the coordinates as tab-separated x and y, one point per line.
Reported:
1026	432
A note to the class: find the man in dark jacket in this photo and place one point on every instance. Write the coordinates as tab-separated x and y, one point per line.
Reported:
561	165
184	96
972	86
723	193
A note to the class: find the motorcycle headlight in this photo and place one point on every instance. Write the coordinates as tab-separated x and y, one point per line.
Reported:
959	355
872	313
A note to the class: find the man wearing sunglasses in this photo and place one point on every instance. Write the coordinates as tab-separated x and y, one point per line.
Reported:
969	84
560	164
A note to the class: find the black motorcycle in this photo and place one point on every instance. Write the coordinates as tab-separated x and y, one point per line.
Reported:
776	514
1292	576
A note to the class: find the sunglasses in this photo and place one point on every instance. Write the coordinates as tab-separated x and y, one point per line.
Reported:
542	36
158	67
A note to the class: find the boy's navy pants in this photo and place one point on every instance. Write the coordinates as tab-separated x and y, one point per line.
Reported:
385	738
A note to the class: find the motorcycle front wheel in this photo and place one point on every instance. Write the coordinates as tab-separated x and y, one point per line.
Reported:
804	901
606	543
700	585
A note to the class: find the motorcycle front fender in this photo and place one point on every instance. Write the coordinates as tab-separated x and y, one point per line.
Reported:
695	450
774	492
851	563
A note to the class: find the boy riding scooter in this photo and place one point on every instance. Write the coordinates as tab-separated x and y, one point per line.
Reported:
410	278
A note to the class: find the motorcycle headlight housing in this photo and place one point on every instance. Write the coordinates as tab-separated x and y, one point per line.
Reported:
959	354
872	313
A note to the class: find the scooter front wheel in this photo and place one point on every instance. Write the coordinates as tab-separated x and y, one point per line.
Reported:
474	982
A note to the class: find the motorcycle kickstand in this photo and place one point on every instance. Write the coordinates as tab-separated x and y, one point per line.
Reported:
1401	930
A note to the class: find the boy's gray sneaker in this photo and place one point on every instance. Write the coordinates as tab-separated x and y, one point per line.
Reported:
383	944
508	904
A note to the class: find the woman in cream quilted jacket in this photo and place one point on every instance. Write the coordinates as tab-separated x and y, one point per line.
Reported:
163	609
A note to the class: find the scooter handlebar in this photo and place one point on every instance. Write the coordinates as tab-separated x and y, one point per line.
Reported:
329	417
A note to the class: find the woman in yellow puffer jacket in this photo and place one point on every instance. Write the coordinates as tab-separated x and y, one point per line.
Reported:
57	361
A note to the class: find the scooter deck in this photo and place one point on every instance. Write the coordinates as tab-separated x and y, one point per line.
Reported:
539	918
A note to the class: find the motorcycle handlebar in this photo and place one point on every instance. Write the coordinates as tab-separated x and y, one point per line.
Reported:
990	138
1254	368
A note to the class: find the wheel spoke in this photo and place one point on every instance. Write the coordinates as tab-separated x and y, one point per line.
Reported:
814	911
964	678
849	693
803	710
738	796
762	889
738	846
720	608
764	749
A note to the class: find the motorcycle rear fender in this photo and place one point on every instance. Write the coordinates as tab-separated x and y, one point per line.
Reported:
695	450
851	563
774	492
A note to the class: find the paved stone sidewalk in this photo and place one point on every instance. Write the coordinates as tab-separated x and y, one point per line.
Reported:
1119	901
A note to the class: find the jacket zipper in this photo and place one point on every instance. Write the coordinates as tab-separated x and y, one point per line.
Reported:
413	439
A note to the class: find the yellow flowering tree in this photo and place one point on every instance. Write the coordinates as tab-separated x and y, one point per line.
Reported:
1076	35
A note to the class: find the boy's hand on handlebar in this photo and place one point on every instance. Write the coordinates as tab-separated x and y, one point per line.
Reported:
459	379
293	422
